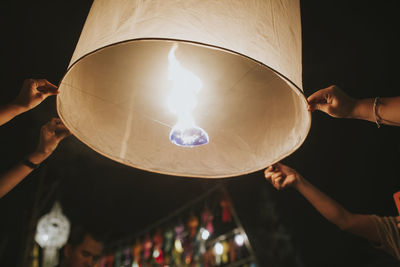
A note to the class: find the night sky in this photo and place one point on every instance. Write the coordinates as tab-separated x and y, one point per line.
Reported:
354	44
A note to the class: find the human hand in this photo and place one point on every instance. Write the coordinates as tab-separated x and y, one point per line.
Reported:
333	101
50	136
33	92
282	176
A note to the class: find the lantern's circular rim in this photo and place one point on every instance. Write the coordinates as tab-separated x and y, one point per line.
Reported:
298	91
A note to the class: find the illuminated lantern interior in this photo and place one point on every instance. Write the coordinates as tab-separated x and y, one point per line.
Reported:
189	88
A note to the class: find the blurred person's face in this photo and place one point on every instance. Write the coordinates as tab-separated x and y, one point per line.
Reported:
86	254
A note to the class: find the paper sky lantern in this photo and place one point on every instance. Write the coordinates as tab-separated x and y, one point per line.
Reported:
187	87
51	234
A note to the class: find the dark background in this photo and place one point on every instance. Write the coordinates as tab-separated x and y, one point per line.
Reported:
354	44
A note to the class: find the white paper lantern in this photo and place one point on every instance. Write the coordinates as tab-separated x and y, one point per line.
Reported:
194	88
52	233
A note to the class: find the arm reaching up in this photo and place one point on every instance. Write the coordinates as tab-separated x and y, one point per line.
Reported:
282	176
50	136
33	92
334	102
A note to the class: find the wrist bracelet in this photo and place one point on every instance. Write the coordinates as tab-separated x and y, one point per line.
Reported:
30	164
375	111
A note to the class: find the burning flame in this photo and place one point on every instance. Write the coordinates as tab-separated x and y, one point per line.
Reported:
182	101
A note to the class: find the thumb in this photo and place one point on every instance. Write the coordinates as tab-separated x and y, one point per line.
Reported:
318	100
51	92
64	134
319	96
47	93
61	131
318	106
287	182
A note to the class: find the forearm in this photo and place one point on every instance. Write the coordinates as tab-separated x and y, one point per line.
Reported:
8	112
18	172
12	177
326	206
387	110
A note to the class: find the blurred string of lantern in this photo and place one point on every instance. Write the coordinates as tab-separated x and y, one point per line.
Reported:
205	231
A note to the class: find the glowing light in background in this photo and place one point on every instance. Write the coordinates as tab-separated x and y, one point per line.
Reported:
239	239
181	102
52	233
218	248
156	253
204	234
178	246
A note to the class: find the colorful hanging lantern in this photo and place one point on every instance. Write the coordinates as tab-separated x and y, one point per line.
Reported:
239	239
192	224
225	252
218	250
207	220
225	209
52	233
103	262
118	258
110	260
190	88
127	257
158	254
147	245
209	258
169	239
136	251
204	234
232	251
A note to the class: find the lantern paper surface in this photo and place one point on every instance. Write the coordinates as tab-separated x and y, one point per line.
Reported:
244	55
